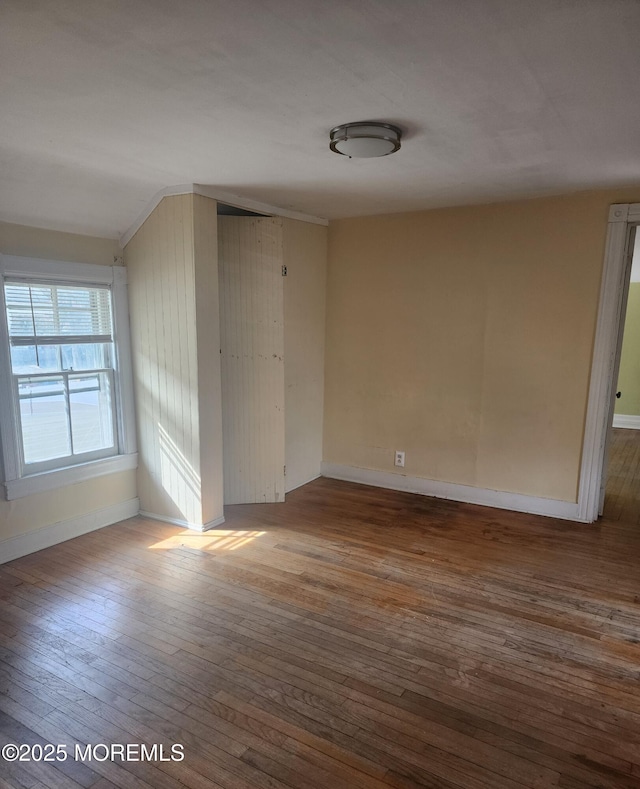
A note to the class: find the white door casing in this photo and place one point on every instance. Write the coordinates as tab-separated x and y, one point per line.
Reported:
606	358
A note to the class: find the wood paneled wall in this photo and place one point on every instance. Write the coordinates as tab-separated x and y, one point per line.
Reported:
205	223
170	259
183	315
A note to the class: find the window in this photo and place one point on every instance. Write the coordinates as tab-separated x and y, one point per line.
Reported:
66	413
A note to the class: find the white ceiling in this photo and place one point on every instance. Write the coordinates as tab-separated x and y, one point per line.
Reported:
105	103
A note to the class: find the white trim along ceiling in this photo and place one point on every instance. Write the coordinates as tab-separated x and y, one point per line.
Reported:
221	197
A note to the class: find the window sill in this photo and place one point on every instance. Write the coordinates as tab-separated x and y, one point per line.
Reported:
59	478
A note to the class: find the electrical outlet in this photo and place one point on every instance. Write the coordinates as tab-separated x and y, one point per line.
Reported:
399	460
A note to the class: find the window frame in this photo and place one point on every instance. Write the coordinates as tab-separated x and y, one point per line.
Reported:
17	483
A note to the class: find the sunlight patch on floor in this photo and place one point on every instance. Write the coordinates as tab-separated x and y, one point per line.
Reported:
218	540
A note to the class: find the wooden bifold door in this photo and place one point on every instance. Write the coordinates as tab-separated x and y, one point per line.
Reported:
252	347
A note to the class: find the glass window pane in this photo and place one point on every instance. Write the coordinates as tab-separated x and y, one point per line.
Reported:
43	415
64	372
23	359
48	358
85	356
90	400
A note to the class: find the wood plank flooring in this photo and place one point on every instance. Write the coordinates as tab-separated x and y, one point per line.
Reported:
350	638
622	497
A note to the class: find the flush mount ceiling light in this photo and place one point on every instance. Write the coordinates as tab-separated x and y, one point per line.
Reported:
365	139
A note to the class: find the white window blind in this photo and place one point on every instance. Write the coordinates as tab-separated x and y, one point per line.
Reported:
55	314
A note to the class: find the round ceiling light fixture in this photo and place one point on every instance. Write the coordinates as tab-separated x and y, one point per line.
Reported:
365	139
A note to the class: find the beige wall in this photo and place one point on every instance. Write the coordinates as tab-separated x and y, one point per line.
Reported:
629	376
34	512
28	514
305	255
464	337
172	266
51	245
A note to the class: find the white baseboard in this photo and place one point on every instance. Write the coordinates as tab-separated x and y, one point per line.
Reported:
23	544
629	421
185	524
300	484
567	510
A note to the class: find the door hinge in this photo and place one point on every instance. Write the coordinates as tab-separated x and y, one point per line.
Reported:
284	468
284	271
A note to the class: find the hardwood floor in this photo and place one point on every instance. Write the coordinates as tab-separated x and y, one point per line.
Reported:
350	638
622	497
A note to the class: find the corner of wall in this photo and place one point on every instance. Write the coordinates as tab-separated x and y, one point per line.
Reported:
207	311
